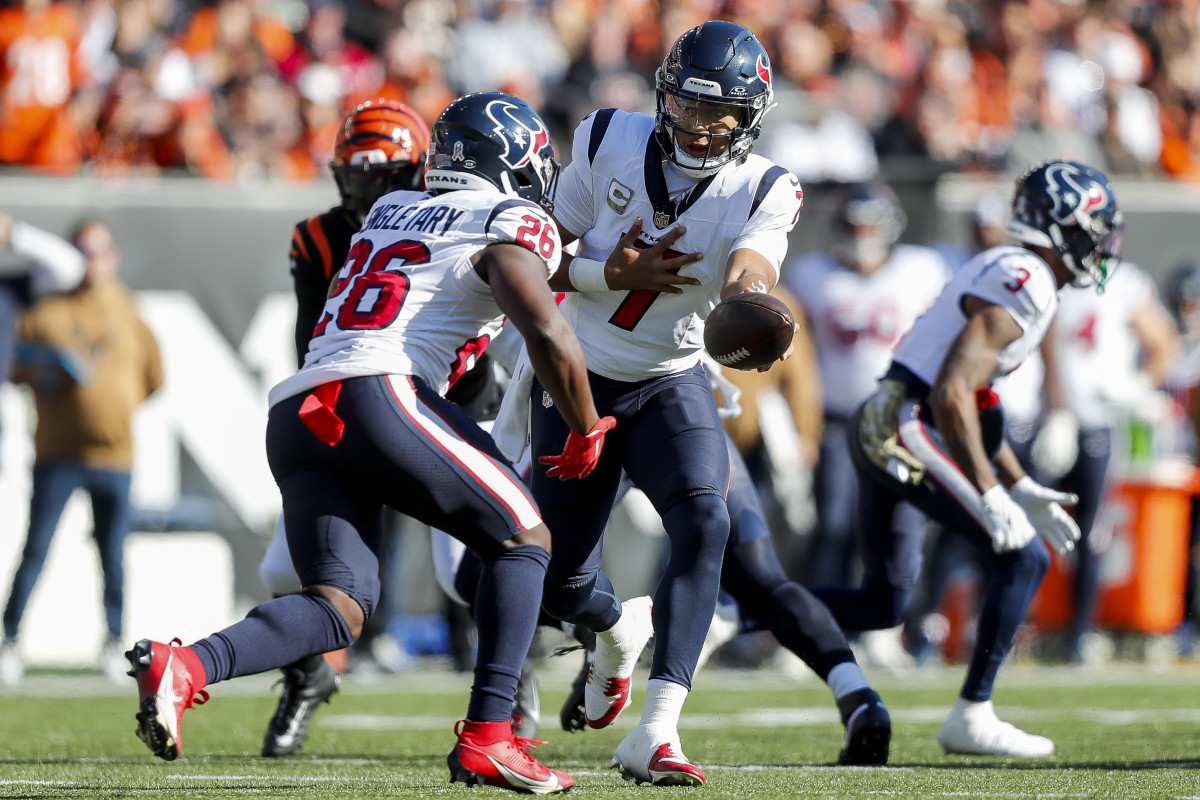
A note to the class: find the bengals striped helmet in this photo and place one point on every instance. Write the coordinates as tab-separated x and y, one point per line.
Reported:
380	148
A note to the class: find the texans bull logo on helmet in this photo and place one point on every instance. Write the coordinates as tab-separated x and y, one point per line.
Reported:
1072	201
521	143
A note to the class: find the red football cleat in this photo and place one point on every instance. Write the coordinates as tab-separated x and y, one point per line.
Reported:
488	753
166	688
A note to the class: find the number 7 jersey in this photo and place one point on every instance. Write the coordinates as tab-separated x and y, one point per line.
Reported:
408	300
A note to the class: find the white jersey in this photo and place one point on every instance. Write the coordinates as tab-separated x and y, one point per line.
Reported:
408	300
857	319
617	173
1011	277
1094	343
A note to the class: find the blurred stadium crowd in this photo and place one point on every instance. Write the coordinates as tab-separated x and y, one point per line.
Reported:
248	89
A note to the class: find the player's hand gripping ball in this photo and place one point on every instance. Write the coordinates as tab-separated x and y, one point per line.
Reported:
749	330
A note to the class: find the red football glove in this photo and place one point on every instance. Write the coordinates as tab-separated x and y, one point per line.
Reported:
581	453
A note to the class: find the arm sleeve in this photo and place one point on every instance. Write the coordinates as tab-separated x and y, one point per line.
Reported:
311	288
766	232
57	265
1022	284
527	224
573	198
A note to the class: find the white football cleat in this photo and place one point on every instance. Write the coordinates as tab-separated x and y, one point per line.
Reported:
12	668
609	688
974	729
658	759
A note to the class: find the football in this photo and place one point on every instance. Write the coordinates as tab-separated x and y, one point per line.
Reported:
748	331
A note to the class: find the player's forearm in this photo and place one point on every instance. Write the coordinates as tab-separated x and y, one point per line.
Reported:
558	362
957	419
560	281
1008	467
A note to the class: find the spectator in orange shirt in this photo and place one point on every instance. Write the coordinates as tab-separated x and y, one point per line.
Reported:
39	71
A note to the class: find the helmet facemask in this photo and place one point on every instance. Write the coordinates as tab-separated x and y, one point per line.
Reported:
867	222
361	185
379	149
714	82
698	115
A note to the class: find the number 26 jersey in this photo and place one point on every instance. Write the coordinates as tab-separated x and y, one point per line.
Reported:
408	300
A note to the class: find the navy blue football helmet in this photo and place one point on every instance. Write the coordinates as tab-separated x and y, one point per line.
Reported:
1070	208
492	140
867	221
720	63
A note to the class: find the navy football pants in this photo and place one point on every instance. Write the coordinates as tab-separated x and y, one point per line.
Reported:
892	551
670	442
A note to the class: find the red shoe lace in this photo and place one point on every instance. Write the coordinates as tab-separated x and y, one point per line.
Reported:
523	743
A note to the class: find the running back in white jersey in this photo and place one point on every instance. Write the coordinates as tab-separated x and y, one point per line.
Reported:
1094	342
617	174
1011	277
408	300
857	319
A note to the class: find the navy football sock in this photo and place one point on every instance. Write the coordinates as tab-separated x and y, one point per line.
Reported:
272	635
506	613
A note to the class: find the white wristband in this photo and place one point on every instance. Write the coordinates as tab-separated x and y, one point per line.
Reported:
587	275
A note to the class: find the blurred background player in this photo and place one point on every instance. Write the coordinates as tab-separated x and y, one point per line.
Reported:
380	148
1183	297
933	435
778	430
1107	357
90	361
860	298
696	218
365	423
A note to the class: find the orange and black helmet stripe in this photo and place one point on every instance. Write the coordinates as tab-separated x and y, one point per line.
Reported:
384	125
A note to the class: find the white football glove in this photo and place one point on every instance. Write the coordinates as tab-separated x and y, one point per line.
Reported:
1056	446
1044	507
1006	522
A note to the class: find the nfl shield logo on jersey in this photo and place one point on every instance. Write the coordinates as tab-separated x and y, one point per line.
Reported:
662	220
547	400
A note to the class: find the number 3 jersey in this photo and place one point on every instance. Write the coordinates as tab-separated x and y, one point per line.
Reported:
408	300
617	173
1011	277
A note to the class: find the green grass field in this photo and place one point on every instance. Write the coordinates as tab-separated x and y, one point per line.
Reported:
1127	731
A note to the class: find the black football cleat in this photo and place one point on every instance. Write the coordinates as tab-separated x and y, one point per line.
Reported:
303	692
527	705
574	712
868	729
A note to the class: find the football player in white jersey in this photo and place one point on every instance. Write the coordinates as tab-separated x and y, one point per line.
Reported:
860	298
932	434
709	220
1107	356
364	423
